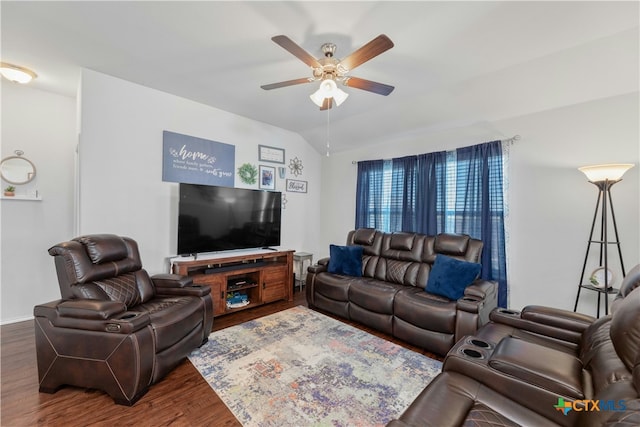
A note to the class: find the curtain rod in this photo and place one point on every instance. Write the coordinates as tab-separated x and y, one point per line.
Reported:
509	141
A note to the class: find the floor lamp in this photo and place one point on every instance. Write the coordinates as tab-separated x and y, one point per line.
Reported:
603	177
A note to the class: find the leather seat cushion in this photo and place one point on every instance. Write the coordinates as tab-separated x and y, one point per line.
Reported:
333	286
543	367
374	295
172	318
425	310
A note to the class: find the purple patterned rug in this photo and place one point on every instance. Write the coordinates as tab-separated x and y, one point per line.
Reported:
302	368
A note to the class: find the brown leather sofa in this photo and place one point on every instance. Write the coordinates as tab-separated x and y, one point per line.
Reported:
390	296
539	367
116	329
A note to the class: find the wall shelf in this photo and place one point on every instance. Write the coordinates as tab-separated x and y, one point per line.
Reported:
22	198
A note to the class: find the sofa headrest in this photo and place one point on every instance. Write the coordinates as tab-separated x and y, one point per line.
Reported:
402	241
451	244
94	257
630	281
103	248
625	329
364	236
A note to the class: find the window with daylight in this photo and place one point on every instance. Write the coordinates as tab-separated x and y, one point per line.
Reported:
457	191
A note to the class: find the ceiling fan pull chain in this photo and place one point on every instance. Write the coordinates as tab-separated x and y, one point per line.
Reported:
328	123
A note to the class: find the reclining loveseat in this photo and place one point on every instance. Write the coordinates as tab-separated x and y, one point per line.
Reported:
541	367
115	328
388	289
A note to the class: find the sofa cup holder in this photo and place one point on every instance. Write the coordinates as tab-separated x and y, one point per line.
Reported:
469	352
479	343
509	312
128	316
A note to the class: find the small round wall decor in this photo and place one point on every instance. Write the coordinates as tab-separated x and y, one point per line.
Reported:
295	166
248	173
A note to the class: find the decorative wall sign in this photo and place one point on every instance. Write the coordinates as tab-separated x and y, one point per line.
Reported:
270	154
267	177
295	166
248	173
197	161
295	186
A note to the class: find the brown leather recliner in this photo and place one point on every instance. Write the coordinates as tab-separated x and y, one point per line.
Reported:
528	372
116	329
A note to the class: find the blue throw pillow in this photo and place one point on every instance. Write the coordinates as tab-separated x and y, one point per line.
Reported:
345	260
450	276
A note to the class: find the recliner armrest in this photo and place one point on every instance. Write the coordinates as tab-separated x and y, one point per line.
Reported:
324	261
91	309
557	317
194	290
481	289
171	281
176	284
92	315
318	268
474	307
475	295
548	321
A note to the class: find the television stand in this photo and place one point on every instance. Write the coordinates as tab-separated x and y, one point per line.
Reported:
241	281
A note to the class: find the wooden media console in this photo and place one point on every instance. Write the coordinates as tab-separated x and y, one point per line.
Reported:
241	280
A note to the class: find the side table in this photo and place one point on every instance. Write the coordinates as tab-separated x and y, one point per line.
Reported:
301	261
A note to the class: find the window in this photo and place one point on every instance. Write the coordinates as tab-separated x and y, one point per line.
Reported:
458	191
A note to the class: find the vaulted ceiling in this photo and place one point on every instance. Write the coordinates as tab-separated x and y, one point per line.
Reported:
454	63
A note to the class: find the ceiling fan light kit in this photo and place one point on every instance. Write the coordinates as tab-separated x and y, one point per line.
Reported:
328	89
329	71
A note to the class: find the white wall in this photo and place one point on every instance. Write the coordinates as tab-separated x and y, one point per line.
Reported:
43	125
122	190
121	187
551	203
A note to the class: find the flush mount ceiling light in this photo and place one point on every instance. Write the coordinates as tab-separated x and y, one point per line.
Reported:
16	73
328	89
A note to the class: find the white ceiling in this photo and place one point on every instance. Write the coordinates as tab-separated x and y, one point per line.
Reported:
453	64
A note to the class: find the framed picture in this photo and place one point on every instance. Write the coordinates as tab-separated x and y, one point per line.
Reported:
270	154
267	178
296	186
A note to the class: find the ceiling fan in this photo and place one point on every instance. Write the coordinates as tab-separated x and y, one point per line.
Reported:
330	71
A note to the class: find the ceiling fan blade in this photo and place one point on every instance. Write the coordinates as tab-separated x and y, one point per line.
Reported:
370	50
287	83
297	51
326	104
375	87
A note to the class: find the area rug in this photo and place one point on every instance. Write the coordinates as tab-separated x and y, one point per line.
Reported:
301	368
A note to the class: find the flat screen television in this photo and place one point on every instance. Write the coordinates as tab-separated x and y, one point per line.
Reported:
212	219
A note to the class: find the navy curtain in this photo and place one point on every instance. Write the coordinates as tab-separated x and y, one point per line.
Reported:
402	199
479	207
417	193
431	193
412	197
369	195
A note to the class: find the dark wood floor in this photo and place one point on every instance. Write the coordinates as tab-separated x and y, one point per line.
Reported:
182	398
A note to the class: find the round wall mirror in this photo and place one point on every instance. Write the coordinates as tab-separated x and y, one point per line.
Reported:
17	169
